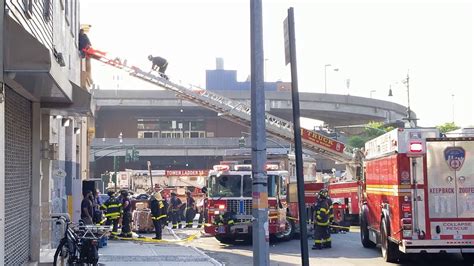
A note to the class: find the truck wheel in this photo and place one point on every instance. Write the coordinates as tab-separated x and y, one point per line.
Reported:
225	240
468	257
390	252
289	232
364	233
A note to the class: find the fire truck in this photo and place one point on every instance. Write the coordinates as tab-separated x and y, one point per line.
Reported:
345	196
418	194
230	202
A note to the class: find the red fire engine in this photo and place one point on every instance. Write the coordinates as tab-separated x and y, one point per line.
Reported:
344	195
311	190
418	194
230	202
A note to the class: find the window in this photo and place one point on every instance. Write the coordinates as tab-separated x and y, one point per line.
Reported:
66	11
28	8
225	186
47	10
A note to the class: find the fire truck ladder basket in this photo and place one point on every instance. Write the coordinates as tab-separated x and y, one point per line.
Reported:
235	111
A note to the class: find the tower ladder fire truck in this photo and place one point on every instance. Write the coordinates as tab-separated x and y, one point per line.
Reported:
240	113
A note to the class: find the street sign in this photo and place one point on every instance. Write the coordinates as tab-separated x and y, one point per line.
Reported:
59	173
287	41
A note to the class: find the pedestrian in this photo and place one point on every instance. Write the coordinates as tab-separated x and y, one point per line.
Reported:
174	209
190	209
158	213
98	215
127	215
87	209
322	237
84	43
203	209
113	210
159	63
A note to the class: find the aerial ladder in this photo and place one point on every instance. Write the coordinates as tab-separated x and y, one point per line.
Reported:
239	112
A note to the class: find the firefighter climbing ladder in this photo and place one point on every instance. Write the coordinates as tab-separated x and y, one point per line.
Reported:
235	111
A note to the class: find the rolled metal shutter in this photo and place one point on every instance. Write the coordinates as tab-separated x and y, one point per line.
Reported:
18	131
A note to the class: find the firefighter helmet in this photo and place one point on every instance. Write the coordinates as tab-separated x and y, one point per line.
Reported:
323	193
157	195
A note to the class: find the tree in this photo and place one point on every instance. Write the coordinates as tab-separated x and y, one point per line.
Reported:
357	141
371	131
446	127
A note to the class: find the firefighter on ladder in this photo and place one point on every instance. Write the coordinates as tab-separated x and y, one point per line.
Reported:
322	219
113	210
158	213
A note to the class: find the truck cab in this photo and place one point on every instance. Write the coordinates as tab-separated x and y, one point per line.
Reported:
230	202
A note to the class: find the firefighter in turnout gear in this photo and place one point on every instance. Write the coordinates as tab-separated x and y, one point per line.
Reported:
322	218
174	209
127	215
190	211
158	213
113	210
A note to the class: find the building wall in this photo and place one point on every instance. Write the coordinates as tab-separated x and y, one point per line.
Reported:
110	123
65	36
224	128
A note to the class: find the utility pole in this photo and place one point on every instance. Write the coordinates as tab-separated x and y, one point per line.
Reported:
116	162
260	234
290	39
408	103
151	177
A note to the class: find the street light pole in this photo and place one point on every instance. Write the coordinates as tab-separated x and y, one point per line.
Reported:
260	233
452	97
325	78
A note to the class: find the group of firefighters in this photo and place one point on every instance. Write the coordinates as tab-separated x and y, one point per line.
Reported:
162	212
175	211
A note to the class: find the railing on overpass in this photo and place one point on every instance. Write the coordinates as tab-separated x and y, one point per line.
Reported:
166	143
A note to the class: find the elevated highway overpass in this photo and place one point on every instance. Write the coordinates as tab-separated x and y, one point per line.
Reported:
333	109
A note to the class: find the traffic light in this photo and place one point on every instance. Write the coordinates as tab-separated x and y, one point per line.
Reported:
105	177
135	154
116	163
114	178
241	142
128	156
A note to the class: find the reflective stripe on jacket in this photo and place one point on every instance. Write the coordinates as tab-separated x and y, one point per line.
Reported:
113	208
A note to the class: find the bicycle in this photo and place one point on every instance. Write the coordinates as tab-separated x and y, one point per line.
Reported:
79	243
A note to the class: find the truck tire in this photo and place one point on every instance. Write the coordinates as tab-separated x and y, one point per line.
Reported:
224	239
364	233
289	232
390	252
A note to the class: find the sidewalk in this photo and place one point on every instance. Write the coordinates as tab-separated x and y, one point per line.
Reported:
124	252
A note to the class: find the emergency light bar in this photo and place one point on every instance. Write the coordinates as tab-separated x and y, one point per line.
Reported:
272	167
416	148
243	167
221	167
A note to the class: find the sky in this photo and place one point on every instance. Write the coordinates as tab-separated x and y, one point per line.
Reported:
373	44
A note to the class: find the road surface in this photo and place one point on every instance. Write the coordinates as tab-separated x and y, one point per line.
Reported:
347	251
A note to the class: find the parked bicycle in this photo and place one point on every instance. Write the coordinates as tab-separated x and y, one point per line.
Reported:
79	243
